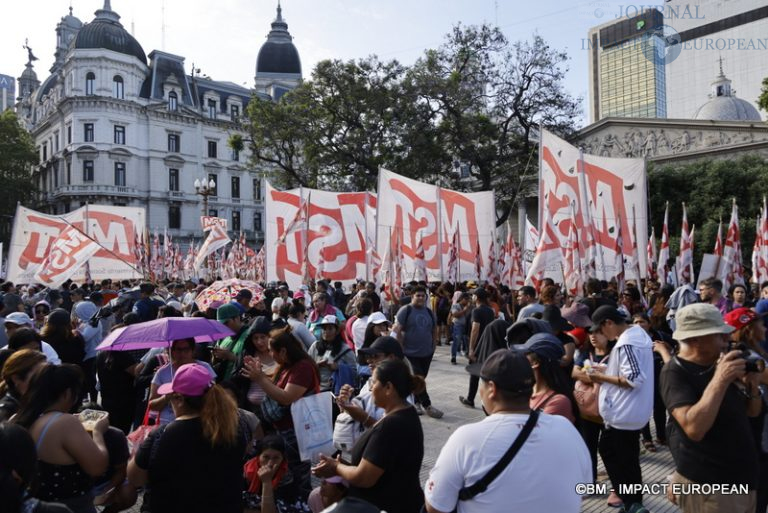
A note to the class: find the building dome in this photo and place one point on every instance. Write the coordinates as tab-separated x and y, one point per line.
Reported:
723	104
278	54
28	73
70	21
105	31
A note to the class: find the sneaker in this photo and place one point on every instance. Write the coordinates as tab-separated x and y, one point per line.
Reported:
466	402
419	409
614	500
434	412
453	360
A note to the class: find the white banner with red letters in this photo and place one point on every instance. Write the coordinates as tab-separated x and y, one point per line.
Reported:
114	229
334	232
412	211
603	192
208	222
68	253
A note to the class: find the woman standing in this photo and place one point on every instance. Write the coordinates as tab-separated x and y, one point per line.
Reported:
378	474
330	353
16	375
58	332
295	377
193	465
69	458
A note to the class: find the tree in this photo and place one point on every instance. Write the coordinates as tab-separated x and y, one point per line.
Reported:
490	98
762	101
17	155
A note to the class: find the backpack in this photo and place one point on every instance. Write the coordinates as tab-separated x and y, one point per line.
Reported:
408	309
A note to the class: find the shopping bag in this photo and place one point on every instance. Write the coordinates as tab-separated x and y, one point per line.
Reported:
312	422
138	435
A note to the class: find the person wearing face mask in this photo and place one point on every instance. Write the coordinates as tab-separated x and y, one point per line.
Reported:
541	440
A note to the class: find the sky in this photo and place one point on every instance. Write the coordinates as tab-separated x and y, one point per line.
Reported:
223	37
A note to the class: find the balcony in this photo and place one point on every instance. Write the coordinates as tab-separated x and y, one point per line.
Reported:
94	189
176	195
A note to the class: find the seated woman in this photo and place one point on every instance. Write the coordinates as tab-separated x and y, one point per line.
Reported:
17	472
16	374
193	464
271	486
378	474
69	458
182	353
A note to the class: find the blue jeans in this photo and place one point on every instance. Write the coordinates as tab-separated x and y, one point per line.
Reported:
459	339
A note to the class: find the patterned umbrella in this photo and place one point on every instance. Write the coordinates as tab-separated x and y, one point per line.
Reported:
225	290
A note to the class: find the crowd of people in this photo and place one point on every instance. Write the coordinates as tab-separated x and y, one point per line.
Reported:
203	427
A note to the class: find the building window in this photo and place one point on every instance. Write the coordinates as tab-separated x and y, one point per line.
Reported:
45	151
69	134
256	189
120	174
87	170
88	132
234	112
257	221
173	179
55	142
235	155
118	87
174	217
173	101
235	221
212	109
236	187
174	143
213	212
69	173
119	134
212	150
90	81
215	188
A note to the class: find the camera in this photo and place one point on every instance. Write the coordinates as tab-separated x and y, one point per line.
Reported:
753	363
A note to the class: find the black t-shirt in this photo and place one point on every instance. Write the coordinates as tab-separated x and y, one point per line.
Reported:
483	315
187	475
395	444
116	382
727	453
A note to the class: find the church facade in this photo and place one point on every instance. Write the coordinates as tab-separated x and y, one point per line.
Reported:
115	126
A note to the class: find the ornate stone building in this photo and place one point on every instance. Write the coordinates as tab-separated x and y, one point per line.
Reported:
114	126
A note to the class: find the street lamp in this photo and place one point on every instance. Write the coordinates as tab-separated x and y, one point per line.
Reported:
205	188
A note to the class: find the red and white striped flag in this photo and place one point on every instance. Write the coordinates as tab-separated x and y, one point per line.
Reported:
548	253
763	259
651	252
514	266
572	271
719	240
217	239
419	261
453	259
685	268
259	266
730	270
299	221
664	249
756	248
492	275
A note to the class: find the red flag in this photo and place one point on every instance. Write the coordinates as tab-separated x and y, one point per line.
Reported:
453	259
651	251
685	270
719	240
572	270
419	261
664	249
730	270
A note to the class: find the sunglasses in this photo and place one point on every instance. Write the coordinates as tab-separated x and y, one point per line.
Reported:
41	311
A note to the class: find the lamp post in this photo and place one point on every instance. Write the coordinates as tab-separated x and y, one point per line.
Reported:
205	188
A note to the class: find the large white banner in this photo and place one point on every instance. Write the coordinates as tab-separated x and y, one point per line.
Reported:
603	192
410	211
115	229
335	234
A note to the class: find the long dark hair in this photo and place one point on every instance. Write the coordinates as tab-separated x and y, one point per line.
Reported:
295	352
554	376
396	371
18	364
47	387
17	454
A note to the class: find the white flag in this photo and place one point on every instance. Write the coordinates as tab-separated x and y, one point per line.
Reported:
68	253
216	240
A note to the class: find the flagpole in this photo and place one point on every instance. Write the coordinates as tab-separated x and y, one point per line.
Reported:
439	236
458	252
367	238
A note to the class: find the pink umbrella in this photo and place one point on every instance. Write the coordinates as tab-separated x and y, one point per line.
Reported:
161	332
226	290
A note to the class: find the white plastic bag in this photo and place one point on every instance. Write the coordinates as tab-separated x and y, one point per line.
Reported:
312	416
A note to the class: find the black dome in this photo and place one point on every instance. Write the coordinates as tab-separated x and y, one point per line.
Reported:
110	35
278	58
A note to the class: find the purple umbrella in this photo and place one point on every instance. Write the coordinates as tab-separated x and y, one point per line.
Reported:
161	332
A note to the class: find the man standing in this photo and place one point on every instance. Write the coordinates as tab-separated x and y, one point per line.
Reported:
710	396
416	330
529	305
538	478
482	316
625	400
280	300
711	292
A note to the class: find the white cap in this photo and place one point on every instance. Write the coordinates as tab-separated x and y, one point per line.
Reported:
378	318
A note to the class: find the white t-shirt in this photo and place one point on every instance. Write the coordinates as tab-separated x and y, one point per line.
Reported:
277	304
358	331
542	477
530	310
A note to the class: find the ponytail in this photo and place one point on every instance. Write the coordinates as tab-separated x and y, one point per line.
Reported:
218	414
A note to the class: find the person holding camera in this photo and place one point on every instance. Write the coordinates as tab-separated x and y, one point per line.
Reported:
710	392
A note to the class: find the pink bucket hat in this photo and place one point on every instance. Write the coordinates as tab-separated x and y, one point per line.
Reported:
191	379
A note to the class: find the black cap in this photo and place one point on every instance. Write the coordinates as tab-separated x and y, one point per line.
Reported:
543	345
606	313
260	325
385	345
510	370
96	296
554	317
244	293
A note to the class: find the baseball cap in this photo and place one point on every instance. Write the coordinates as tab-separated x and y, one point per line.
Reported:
385	345
260	325
175	305
378	318
329	319
227	312
740	317
606	313
543	345
18	318
698	320
283	287
245	293
299	294
510	370
191	379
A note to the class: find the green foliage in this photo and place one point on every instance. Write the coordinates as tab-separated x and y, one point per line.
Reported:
17	155
708	188
762	101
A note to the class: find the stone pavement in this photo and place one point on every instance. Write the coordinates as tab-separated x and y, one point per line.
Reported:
446	382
